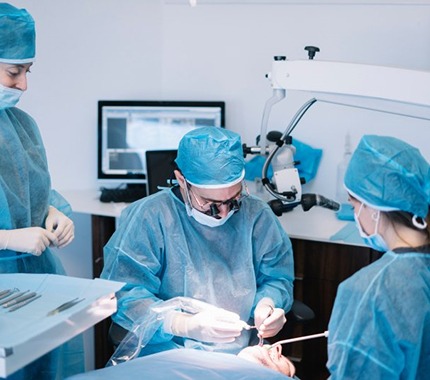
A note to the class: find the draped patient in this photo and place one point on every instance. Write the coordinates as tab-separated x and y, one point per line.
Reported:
254	362
270	357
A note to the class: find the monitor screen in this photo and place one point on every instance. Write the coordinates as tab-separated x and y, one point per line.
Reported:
127	129
160	165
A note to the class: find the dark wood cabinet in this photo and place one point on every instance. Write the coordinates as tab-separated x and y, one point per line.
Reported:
319	268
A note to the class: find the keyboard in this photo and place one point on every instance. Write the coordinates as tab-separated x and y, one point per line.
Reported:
127	195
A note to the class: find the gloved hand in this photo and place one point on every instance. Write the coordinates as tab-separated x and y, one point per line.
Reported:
214	326
32	240
62	226
268	319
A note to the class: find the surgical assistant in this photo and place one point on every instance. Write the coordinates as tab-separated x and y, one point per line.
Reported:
208	240
32	215
380	324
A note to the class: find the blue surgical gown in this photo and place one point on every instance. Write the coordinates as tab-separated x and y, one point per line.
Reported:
161	253
25	195
380	324
25	190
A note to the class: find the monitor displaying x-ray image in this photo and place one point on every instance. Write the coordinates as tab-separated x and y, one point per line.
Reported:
127	129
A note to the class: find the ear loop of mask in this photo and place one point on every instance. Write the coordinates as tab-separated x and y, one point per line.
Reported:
375	217
187	194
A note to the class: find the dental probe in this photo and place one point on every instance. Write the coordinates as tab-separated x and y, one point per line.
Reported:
306	337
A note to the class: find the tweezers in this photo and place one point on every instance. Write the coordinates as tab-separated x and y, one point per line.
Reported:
65	306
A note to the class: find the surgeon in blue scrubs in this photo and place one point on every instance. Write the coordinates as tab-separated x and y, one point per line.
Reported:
380	324
32	215
208	240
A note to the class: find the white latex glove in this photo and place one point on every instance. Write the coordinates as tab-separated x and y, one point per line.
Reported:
268	319
32	240
62	226
221	326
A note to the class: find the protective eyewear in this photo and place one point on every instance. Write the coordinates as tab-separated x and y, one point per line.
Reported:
213	208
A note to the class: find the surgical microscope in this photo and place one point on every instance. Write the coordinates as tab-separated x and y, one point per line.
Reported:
377	88
286	183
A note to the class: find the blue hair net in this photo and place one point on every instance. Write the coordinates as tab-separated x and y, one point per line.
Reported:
388	174
17	35
211	157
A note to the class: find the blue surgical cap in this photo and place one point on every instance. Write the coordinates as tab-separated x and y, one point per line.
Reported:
211	157
388	174
17	35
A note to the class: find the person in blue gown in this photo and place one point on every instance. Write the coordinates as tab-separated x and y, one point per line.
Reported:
380	323
33	216
208	240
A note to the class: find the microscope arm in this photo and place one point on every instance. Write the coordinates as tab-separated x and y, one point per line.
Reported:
380	88
385	89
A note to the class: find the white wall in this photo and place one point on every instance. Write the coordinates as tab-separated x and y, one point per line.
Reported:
224	51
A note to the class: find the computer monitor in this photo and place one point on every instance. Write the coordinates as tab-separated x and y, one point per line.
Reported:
129	128
160	165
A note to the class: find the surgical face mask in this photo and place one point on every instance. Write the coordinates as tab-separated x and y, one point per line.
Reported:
202	218
9	97
375	240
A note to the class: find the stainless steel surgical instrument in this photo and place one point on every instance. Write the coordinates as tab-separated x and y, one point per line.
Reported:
19	299
65	306
6	293
25	302
13	296
260	338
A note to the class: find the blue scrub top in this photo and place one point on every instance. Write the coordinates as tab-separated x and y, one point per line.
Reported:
380	324
25	190
162	253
